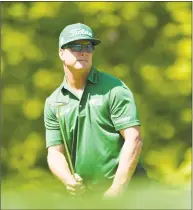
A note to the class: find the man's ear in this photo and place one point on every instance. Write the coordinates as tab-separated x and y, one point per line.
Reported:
61	54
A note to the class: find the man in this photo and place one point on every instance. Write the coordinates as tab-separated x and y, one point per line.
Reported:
91	121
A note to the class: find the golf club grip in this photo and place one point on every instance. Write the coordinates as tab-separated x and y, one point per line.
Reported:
65	144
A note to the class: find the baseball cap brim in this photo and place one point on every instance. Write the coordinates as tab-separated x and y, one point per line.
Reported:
94	41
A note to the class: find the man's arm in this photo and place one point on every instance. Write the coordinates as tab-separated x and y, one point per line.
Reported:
59	167
128	160
58	164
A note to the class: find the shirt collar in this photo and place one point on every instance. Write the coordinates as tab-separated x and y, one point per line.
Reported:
60	97
93	76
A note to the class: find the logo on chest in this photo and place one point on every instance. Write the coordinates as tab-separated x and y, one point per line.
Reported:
63	111
95	102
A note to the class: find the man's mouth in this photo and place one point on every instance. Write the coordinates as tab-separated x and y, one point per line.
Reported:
82	60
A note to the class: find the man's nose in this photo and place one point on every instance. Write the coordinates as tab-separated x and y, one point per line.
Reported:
83	50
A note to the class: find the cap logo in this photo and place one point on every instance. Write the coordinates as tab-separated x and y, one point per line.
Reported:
80	31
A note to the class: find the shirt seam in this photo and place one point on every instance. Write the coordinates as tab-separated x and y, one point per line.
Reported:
125	125
53	143
51	110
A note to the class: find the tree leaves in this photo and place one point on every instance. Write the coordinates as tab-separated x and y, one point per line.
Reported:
146	44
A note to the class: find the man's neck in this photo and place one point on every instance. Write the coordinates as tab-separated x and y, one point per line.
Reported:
76	80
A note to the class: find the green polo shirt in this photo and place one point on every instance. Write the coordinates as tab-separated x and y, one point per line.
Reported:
91	123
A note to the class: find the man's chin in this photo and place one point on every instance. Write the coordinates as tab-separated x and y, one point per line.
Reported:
82	67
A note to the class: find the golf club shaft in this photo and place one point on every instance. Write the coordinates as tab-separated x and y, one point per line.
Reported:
65	144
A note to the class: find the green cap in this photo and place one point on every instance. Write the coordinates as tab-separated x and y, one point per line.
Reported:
77	31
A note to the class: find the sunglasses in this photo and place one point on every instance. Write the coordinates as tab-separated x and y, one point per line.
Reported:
79	47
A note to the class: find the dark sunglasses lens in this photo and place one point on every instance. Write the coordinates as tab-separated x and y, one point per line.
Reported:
89	48
79	48
76	48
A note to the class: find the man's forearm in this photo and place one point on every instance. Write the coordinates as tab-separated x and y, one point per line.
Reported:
59	166
128	161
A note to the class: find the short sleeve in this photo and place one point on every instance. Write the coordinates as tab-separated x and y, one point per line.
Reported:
123	109
53	133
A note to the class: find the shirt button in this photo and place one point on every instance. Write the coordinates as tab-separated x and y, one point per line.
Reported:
80	105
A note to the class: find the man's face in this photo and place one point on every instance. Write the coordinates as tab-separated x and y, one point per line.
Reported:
77	60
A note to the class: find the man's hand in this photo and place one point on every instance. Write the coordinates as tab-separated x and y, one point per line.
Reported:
113	192
75	186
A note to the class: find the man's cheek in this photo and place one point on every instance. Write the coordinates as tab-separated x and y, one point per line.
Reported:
72	60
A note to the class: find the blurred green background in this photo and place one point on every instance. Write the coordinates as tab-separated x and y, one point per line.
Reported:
145	44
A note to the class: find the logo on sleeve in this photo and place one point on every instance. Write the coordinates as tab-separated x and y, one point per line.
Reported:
123	119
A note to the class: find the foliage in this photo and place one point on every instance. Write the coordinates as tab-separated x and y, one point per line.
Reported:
146	44
47	193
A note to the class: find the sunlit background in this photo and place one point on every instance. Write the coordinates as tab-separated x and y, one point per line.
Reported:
145	44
